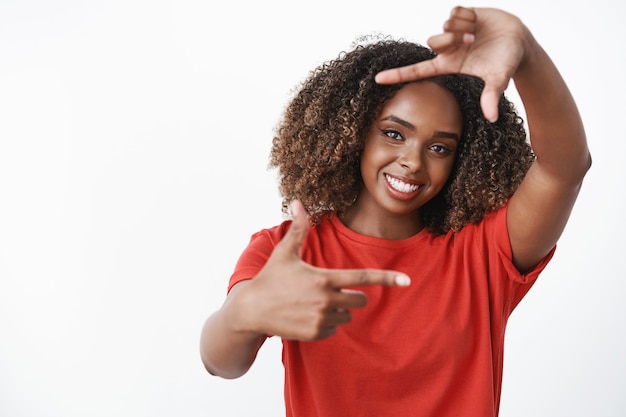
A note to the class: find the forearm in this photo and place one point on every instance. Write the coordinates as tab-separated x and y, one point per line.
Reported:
541	206
227	350
556	130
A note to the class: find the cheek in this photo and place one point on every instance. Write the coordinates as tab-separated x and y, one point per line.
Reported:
378	153
371	160
368	167
443	170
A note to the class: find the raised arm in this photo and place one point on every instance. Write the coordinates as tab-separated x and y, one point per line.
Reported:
497	47
540	208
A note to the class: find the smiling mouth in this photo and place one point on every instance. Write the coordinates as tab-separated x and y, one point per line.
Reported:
401	186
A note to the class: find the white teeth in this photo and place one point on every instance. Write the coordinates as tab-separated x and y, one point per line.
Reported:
401	186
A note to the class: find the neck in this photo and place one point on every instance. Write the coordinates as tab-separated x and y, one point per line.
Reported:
381	224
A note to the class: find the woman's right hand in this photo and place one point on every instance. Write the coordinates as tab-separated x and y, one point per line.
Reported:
294	300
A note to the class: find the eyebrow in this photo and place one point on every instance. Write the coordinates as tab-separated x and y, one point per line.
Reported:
400	121
411	127
441	134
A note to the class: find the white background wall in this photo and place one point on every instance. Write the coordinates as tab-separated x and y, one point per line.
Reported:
133	148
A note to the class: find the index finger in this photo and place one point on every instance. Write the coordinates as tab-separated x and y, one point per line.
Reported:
411	72
364	277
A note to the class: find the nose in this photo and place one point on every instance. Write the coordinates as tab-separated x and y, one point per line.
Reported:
411	158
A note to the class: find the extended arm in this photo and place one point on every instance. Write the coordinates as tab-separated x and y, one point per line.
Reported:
227	349
289	299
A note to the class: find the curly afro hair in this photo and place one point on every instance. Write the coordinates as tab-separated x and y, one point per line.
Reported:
318	144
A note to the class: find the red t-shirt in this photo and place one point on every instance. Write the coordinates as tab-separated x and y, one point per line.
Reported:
434	348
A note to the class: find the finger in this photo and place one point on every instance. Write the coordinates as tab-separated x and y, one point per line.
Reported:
364	277
298	230
449	40
338	317
464	13
348	299
460	25
324	333
309	336
489	101
490	97
412	72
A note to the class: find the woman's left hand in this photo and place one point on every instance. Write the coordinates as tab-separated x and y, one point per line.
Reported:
486	43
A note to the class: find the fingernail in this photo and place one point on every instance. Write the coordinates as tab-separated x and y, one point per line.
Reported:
403	280
468	38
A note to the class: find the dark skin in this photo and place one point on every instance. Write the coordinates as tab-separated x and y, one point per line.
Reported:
408	157
294	300
497	47
288	298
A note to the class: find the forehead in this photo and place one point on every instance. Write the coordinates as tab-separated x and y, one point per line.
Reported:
424	101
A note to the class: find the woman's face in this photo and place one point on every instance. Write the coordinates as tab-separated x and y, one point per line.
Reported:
409	150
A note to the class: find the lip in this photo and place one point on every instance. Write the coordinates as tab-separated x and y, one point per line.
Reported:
402	195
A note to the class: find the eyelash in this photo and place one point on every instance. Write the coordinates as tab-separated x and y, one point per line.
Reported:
390	133
442	149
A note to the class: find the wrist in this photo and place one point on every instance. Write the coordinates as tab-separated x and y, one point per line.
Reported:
239	311
532	53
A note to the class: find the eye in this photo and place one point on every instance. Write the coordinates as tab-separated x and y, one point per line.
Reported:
392	134
441	149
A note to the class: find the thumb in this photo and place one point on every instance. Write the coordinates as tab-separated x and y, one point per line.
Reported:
489	100
292	241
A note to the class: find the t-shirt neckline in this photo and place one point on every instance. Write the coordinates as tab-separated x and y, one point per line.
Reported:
341	228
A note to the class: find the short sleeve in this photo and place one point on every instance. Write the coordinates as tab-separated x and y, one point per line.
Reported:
500	233
500	255
256	254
